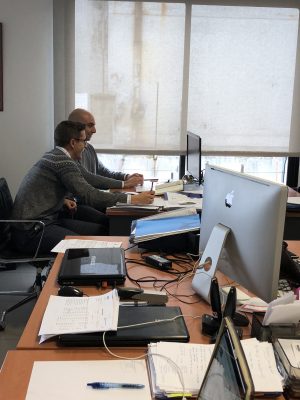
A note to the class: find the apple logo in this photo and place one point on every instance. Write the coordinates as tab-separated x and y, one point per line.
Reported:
229	199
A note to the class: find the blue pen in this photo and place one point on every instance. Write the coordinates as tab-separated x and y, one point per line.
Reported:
112	385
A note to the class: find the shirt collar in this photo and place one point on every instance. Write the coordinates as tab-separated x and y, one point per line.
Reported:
64	151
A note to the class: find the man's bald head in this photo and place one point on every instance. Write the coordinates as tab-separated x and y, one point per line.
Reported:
86	118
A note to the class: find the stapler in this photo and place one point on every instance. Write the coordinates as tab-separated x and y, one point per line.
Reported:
151	297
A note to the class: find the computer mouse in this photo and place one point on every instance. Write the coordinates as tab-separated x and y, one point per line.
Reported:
69	291
128	292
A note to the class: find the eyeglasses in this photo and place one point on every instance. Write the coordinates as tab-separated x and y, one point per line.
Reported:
81	140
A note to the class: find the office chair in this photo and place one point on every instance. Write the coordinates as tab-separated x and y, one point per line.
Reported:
10	257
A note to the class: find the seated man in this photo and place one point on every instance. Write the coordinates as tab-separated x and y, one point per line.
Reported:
44	189
89	157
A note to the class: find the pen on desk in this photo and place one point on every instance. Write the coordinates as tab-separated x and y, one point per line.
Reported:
113	385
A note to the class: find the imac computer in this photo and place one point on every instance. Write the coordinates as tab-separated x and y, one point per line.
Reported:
193	158
241	233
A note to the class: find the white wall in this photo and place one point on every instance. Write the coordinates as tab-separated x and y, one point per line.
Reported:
26	124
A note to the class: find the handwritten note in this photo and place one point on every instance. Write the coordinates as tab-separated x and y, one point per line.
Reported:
80	314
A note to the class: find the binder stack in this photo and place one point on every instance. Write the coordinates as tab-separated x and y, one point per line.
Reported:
287	352
164	224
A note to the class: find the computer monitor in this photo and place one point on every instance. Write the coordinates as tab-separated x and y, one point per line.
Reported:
193	156
251	212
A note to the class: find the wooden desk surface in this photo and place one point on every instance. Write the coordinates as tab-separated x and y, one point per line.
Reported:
16	370
29	338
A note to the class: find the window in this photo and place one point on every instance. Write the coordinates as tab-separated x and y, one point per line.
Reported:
151	166
128	72
242	71
149	71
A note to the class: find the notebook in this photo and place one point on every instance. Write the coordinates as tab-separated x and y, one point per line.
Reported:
174	330
93	267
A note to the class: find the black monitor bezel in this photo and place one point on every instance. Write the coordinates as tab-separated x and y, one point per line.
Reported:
193	136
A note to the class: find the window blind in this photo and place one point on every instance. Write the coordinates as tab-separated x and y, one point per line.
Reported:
230	72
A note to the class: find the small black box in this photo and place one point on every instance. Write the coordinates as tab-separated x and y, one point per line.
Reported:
158	262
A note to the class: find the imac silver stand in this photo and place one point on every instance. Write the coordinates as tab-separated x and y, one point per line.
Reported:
210	257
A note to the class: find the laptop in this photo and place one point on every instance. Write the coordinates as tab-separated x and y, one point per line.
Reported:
175	330
227	376
93	267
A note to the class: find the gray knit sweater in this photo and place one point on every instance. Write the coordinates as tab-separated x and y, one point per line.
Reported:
91	162
43	189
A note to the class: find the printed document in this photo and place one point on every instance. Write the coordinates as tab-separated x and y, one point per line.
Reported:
171	364
80	315
65	244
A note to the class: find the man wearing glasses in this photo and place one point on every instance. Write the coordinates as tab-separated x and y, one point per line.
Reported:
43	191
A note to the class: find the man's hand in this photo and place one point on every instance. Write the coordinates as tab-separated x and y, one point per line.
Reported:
133	180
70	205
143	198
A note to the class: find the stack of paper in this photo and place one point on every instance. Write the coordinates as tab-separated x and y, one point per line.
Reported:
167	361
285	309
137	207
80	315
164	224
174	186
170	364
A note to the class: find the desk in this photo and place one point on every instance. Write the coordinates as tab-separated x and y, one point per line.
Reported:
120	220
29	338
16	370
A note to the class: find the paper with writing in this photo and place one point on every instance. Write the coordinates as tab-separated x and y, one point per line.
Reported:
80	314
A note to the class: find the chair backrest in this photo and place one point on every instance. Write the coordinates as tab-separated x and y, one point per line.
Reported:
6	204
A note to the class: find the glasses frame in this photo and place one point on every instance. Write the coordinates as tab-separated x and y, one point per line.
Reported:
81	140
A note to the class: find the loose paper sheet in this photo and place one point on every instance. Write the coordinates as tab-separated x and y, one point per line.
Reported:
68	380
80	314
63	245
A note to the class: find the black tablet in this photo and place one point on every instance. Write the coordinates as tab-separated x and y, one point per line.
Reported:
227	376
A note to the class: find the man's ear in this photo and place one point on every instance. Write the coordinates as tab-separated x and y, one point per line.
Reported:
72	143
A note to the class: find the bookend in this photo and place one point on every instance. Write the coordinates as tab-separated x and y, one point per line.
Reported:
212	323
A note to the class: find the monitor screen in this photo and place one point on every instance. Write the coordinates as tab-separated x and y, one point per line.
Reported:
254	211
193	156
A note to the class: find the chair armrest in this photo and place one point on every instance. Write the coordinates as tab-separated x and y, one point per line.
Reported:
41	223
